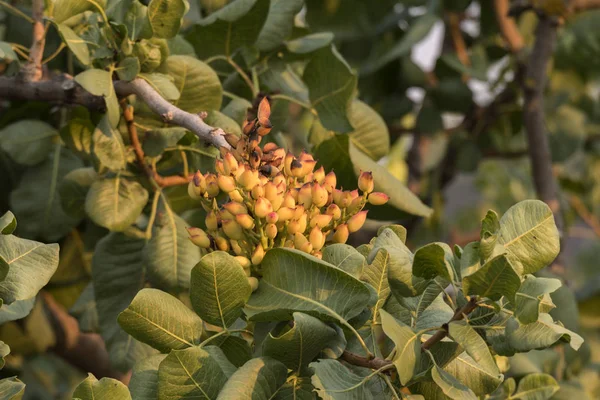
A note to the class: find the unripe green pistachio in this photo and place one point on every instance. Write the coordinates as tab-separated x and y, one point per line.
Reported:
244	262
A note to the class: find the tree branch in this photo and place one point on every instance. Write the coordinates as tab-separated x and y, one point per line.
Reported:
534	83
458	315
85	351
508	27
360	361
60	90
33	72
583	5
162	181
585	214
457	39
170	113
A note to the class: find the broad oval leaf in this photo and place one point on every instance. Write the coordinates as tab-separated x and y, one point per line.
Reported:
496	278
16	310
258	379
108	146
144	378
370	134
30	267
309	43
331	85
115	203
279	23
295	281
170	255
77	45
8	223
529	235
117	276
73	190
297	346
332	380
192	373
105	388
224	31
451	386
199	86
166	17
99	83
12	388
540	334
162	321
163	84
408	346
490	226
463	334
27	142
346	258
219	289
36	202
536	387
530	296
432	260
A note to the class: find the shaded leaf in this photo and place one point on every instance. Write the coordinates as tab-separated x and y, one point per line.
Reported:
490	227
105	388
309	43
128	68
73	190
432	260
496	278
531	295
11	388
279	23
163	84
144	378
108	146
132	14
99	83
160	320
16	310
166	16
75	43
451	386
219	289
332	380
536	387
463	334
65	9
8	223
540	334
27	142
258	379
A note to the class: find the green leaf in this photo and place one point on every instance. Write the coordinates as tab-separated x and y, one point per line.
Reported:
298	345
36	202
73	190
160	320
346	258
236	349
529	235
333	381
198	83
156	140
16	310
166	17
105	388
470	260
30	267
331	84
295	281
532	293
309	43
115	203
370	134
398	230
170	255
117	276
27	142
8	223
77	135
386	238
463	334
99	83
376	275
144	378
65	9
11	388
408	346
419	306
163	84
217	118
536	387
496	278
451	386
219	289
132	14
540	334
418	30
128	68
434	259
400	196
108	146
401	279
279	23
76	44
490	226
258	379
223	32
4	351
298	389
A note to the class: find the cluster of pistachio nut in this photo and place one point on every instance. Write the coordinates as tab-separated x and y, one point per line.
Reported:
274	199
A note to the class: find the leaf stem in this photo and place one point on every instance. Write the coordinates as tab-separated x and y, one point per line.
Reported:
244	76
53	55
292	100
152	214
14	10
389	383
224	332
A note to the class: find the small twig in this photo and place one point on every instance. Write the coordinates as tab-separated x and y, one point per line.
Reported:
583	5
53	55
458	315
585	214
14	10
161	181
360	361
457	39
170	113
34	72
508	27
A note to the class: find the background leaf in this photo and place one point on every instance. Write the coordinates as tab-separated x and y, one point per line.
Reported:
28	142
258	379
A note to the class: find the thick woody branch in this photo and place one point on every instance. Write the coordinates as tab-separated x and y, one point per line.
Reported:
508	27
60	90
85	351
170	113
360	361
534	83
